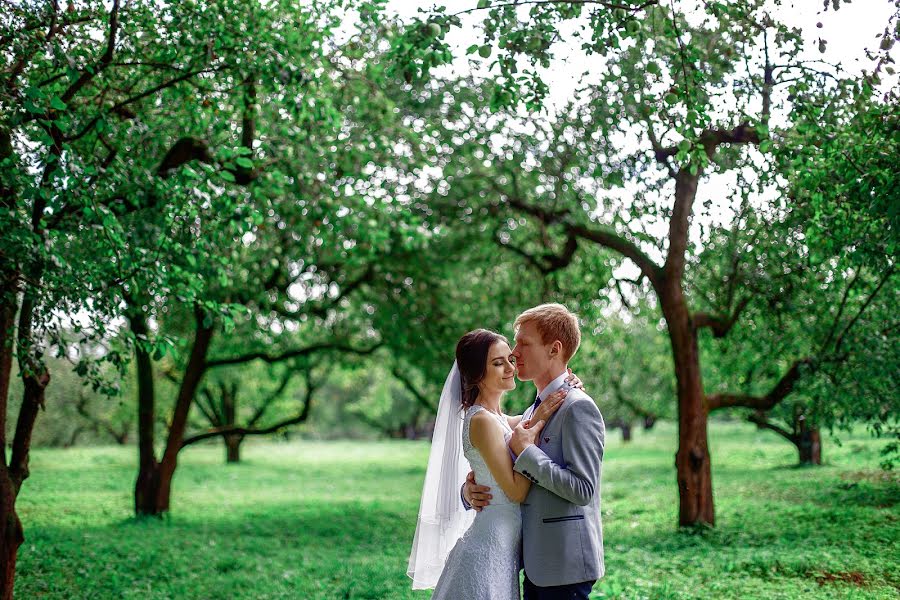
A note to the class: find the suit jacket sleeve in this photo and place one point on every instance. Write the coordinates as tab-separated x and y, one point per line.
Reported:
583	439
462	497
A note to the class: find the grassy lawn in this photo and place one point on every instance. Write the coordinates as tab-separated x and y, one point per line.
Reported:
335	520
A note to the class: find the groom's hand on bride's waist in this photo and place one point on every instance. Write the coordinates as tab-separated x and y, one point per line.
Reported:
477	496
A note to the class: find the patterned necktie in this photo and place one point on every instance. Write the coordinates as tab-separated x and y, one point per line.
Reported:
537	402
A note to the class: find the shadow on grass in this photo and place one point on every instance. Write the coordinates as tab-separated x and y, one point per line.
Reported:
366	522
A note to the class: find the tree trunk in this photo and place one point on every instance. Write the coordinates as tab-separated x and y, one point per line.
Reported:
626	431
153	487
649	422
193	374
147	483
809	444
233	448
8	308
692	461
11	535
229	410
35	381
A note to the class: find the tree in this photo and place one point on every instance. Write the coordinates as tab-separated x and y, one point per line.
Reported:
123	179
221	410
696	97
67	118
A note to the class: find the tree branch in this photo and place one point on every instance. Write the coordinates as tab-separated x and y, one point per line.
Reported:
762	422
302	416
265	404
119	105
779	391
209	411
604	237
321	309
840	339
242	431
679	224
548	262
711	139
628	403
661	154
105	59
412	389
295	353
609	5
719	324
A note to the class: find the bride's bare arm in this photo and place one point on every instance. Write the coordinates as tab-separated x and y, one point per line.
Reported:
487	436
513	420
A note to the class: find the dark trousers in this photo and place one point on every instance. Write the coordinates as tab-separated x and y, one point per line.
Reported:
573	591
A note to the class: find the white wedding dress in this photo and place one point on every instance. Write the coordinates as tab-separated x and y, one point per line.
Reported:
484	563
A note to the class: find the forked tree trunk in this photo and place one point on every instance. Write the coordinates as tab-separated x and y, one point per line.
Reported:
35	378
153	489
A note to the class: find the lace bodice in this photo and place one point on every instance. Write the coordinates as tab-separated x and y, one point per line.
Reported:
482	472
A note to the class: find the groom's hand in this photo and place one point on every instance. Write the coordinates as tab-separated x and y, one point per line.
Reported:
525	434
476	495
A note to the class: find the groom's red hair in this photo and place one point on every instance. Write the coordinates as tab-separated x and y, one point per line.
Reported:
554	322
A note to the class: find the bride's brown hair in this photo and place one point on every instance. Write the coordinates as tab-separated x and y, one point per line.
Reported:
471	360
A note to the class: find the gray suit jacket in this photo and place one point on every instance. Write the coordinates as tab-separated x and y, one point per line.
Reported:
562	536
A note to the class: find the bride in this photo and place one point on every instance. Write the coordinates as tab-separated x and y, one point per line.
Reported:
464	554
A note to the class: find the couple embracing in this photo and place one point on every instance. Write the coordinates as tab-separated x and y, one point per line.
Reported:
532	497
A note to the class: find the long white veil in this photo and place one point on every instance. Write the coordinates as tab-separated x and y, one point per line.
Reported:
442	518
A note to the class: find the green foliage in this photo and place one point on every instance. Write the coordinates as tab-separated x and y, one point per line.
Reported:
719	95
625	362
336	520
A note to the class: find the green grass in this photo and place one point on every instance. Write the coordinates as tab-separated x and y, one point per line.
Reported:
335	520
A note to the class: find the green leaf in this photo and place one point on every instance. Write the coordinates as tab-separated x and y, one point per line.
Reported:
58	104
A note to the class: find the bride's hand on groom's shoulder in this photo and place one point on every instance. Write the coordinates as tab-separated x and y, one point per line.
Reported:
573	381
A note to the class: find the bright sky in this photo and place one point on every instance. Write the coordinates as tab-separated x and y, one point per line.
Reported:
848	32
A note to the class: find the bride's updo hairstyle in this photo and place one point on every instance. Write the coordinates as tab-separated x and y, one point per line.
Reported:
471	359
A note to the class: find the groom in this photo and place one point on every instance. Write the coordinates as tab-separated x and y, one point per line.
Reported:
562	537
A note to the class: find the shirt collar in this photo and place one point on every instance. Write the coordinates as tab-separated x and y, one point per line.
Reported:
553	385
